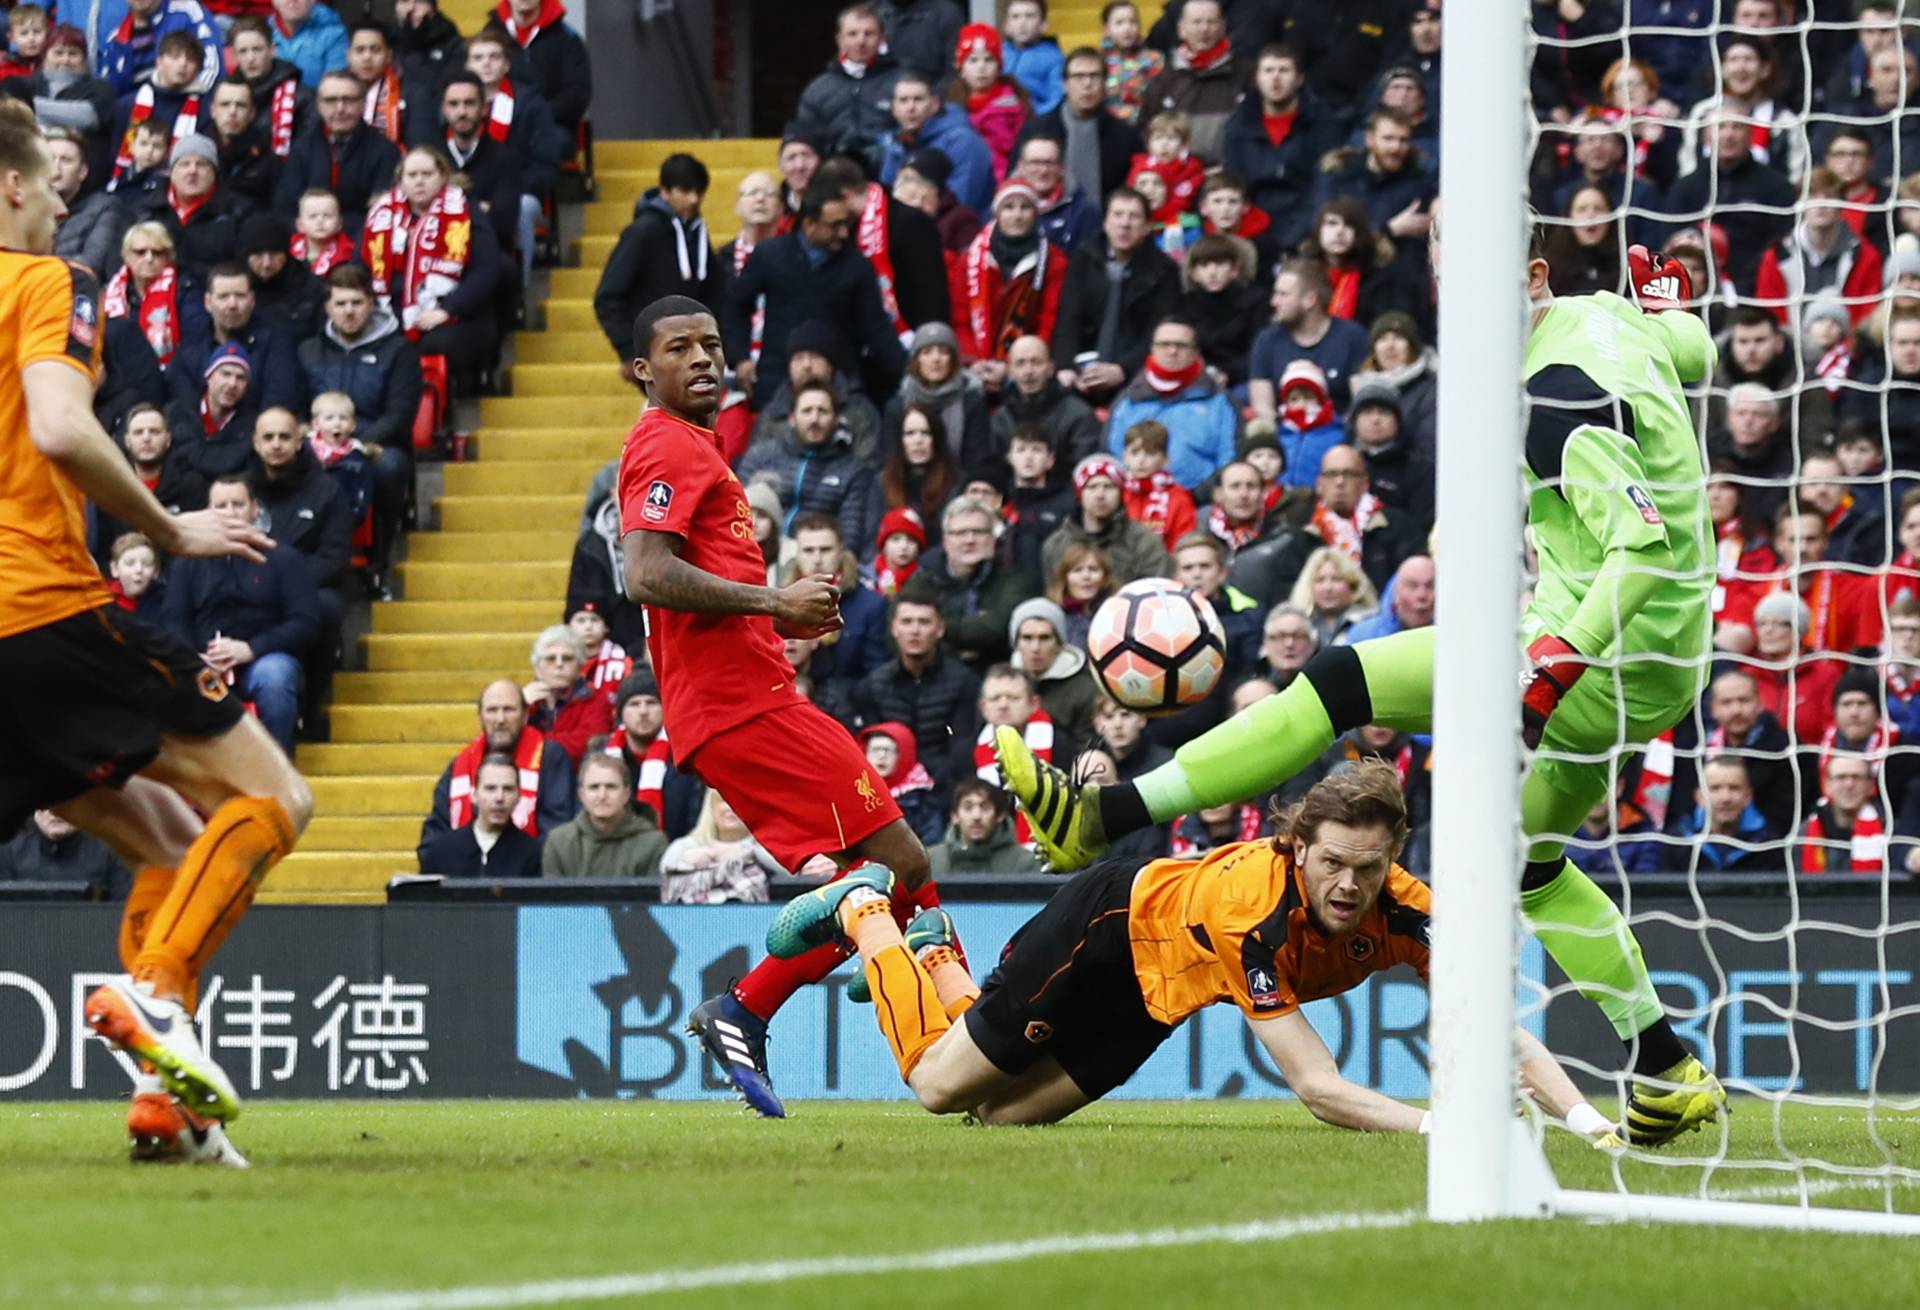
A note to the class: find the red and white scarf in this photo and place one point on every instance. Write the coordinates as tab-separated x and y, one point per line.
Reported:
1836	366
743	247
1866	849
991	332
877	247
418	261
1247	821
1168	383
608	667
1346	533
1039	738
650	779
210	422
1202	59
1654	791
384	105
159	308
1873	750
552	13
466	768
1234	534
185	123
500	112
282	107
338	250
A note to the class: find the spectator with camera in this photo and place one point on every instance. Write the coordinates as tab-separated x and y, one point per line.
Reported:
608	838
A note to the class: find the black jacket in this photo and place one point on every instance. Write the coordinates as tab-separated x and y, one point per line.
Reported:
1120	141
534	138
366	161
563	74
940	707
657	255
493	180
841	290
850	113
380	371
457	855
921	34
211	237
1402	477
132	374
179	491
1067	421
1148	289
83	94
1344	45
1227	321
248	167
431	51
273	383
76	857
1749	232
307	511
919	267
270	606
593	577
1281	178
1383	195
556	802
282	70
226	452
292	301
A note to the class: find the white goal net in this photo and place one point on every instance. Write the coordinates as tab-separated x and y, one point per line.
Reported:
1766	848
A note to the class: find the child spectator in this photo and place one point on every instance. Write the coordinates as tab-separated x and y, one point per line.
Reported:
893	754
719	861
318	240
1226	309
331	438
1176	228
1034	507
26	41
1033	57
134	568
980	838
1219	825
1169	136
172	99
1226	211
1080	581
145	163
1151	495
997	106
1260	447
1826	343
1130	63
901	538
1309	427
607	664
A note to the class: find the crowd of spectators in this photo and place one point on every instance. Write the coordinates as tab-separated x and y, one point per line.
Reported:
309	235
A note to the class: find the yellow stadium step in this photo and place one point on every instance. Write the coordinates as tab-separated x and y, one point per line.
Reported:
487	582
469	15
743	152
572	284
478	547
522	477
553	443
594	252
561	347
615	413
451	724
268	896
364	872
482	513
335	799
574	314
365	833
622	187
392	762
410	687
465	617
601	376
474	659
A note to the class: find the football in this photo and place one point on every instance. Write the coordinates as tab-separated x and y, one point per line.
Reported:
1157	646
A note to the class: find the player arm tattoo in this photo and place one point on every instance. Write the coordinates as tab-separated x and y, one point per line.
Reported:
655	574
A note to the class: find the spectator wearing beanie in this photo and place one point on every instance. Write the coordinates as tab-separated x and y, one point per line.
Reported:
936	382
213	432
1399	475
815	353
639	738
203	220
1860	728
997	106
892	568
974	592
1400	357
1175	390
1007	284
922	183
1133	550
801	150
849	106
232	318
1309	426
1037	632
287	296
664	251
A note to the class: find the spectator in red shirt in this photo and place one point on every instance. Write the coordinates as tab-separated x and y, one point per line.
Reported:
1795	687
560	702
1821	256
1844	603
1746	559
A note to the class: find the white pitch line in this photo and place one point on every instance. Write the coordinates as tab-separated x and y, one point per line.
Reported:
506	1296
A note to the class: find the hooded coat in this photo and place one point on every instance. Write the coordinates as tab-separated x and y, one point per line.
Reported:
826	479
999	853
912	786
850	113
380	370
659	254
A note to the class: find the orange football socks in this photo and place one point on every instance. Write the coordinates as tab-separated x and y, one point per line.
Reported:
951	981
905	999
243	839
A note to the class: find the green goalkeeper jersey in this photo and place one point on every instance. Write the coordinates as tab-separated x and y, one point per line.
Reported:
1617	497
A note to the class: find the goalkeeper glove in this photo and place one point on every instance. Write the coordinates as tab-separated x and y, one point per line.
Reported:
1553	667
1659	283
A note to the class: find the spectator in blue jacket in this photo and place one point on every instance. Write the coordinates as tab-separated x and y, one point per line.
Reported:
309	36
1175	389
814	469
1031	56
924	121
1732	835
251	622
125	38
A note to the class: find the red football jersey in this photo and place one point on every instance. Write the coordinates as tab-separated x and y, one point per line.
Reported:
715	670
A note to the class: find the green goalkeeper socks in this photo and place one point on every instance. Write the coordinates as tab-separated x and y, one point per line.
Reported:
1588	937
1389	681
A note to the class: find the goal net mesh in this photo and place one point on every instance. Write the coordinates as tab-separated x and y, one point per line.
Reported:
1765	849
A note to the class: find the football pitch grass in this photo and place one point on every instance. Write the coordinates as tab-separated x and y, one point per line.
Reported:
445	1205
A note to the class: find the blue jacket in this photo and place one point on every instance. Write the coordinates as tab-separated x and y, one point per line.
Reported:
1041	68
319	47
951	133
1071	221
1721	857
1622	852
826	479
123	70
269	606
1203	429
1305	450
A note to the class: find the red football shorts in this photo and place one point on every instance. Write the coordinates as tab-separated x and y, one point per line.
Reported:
799	781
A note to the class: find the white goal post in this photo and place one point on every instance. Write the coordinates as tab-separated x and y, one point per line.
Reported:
1483	1162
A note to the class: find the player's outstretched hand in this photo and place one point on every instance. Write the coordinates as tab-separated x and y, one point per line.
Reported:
1553	666
1659	283
807	607
211	532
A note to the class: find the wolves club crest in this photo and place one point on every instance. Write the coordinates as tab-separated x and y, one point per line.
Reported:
1359	949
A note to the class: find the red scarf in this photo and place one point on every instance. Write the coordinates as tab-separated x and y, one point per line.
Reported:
1247	823
887	580
384	105
1345	300
184	125
185	214
500	112
1234	534
1902	578
466	767
1866	848
426	255
1167	384
1654	791
743	246
210	422
608	668
120	597
159	308
1279	126
1039	738
876	245
337	251
1874	750
281	109
992	325
650	779
1345	532
1253	223
1216	53
552	14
